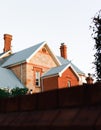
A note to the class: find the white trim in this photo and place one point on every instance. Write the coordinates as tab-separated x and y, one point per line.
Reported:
53	55
75	73
5	54
69	65
27	60
49	76
35	52
50	51
60	73
37	78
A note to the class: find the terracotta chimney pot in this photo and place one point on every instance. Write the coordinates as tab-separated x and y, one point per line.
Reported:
89	79
63	50
7	42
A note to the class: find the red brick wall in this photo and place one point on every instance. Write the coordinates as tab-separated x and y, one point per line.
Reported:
60	82
68	75
50	83
7	42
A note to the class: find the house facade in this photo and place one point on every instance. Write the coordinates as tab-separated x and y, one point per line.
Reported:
38	68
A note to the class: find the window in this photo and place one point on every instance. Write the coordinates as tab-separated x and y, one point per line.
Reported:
37	74
69	84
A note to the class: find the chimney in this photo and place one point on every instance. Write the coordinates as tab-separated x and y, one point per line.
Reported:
7	42
63	50
89	79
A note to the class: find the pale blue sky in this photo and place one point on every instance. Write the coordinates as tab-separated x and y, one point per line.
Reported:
54	21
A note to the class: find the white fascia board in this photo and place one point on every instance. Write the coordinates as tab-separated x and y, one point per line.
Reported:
49	76
5	54
60	73
53	55
27	60
69	65
75	73
51	52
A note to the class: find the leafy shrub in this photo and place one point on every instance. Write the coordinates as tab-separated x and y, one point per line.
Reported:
18	91
4	93
14	92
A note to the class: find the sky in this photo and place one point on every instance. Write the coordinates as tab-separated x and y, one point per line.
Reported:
54	21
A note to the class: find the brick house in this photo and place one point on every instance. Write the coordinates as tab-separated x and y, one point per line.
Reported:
38	68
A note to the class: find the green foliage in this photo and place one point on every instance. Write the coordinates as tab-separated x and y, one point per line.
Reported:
14	92
18	91
4	93
96	34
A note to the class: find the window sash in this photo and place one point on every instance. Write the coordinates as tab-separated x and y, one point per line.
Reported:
37	82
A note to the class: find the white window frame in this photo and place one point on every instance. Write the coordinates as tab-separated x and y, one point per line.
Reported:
37	79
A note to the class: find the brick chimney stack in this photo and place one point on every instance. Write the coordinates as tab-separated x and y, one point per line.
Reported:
89	79
7	42
63	50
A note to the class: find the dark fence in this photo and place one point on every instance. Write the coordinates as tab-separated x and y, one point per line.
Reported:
68	97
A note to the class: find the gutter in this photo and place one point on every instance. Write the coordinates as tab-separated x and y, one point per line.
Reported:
48	76
11	65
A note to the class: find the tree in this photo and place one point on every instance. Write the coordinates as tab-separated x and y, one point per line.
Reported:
96	34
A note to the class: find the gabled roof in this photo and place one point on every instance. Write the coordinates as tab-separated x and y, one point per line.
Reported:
8	79
26	54
21	56
59	70
54	71
65	61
